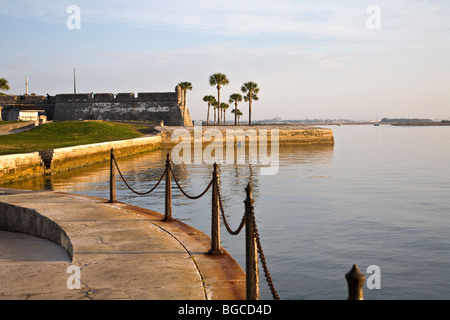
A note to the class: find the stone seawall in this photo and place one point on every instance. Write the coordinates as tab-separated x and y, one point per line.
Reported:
20	166
24	166
73	157
288	135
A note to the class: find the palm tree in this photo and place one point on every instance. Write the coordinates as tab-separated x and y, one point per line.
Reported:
219	80
238	114
4	84
210	100
250	89
185	86
223	107
235	97
215	104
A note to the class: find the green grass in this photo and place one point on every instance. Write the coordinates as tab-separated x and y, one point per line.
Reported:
67	134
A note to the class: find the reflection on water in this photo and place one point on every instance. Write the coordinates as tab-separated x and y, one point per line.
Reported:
379	196
142	170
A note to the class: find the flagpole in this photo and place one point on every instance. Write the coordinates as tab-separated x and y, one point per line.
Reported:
74	82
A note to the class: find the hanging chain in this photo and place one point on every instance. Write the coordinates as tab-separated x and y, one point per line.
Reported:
129	187
263	259
227	226
184	193
236	232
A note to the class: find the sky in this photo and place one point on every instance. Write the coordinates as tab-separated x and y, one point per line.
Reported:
327	59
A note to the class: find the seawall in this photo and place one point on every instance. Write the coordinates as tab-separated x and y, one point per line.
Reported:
287	135
24	166
20	167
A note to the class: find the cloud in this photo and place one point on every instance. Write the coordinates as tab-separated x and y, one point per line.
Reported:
316	20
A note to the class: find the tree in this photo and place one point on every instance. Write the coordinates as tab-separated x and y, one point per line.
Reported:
4	84
210	100
185	86
237	113
219	80
235	98
250	89
223	107
215	104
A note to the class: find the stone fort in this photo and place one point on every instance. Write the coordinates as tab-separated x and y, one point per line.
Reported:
167	107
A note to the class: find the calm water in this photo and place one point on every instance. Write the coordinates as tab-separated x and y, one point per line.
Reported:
380	196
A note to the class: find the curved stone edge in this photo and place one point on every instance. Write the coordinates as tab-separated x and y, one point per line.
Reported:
18	219
223	278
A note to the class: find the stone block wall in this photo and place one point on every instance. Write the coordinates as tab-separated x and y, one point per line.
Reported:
17	167
20	166
165	106
64	159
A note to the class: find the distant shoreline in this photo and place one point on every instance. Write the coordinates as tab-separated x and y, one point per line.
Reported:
427	124
318	124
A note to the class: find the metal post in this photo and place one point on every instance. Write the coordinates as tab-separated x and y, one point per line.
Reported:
355	281
215	224
251	254
112	179
168	201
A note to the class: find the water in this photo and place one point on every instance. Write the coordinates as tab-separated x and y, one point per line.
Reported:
380	196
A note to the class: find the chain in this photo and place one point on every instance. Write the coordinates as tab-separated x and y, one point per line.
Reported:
185	194
129	187
227	226
263	259
236	232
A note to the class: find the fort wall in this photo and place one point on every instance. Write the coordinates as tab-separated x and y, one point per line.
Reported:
166	106
145	106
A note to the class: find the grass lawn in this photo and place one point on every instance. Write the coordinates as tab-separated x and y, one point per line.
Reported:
67	134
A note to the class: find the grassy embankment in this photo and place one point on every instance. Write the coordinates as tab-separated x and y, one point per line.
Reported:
68	134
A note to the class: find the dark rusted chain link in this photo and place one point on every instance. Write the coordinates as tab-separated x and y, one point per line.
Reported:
258	242
263	259
184	193
129	187
227	226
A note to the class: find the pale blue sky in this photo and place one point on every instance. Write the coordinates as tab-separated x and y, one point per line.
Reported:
311	59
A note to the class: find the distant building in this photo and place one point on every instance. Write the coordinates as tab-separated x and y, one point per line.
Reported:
22	112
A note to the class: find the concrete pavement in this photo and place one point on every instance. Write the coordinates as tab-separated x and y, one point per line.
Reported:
121	252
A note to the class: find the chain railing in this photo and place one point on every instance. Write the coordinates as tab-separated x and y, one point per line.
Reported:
253	240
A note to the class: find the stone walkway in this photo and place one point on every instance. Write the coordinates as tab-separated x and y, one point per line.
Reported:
121	252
